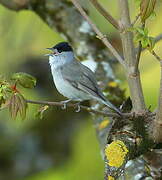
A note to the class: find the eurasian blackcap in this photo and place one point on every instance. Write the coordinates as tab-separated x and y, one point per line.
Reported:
72	79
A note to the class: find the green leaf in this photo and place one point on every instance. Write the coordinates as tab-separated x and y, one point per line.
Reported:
5	92
145	31
2	99
145	42
141	35
137	38
24	79
151	43
140	30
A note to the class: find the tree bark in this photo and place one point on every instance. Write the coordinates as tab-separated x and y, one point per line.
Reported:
133	74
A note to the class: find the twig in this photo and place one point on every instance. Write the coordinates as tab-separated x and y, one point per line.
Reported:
139	52
138	56
85	108
156	56
105	13
99	33
158	38
136	18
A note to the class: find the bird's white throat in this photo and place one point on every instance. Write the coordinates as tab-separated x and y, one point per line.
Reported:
61	59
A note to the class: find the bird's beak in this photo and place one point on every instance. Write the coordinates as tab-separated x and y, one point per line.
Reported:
54	52
51	49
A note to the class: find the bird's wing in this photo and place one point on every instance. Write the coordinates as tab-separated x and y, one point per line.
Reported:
82	78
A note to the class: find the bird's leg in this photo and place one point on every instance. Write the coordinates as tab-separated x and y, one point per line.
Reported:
78	107
64	103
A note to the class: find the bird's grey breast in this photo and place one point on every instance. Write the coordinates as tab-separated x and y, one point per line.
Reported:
66	87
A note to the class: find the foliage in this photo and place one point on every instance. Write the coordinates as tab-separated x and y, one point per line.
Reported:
16	104
146	9
24	79
41	111
141	35
10	96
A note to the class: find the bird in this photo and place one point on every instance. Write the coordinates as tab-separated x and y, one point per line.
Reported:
72	79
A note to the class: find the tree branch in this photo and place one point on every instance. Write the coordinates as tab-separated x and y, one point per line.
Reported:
156	56
157	125
133	74
158	38
105	13
157	128
15	5
138	56
139	53
85	108
99	33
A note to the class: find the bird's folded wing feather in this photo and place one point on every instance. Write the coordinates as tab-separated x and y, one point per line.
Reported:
82	78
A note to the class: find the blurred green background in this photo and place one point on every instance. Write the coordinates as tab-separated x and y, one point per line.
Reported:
63	144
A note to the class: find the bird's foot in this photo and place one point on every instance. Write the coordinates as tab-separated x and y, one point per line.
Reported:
77	105
64	103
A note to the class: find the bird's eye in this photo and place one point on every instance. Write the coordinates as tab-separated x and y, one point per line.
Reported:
59	50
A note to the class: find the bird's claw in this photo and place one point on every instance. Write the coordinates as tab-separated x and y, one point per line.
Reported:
78	107
64	103
63	106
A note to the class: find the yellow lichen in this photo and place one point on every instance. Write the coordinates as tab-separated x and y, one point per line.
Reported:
112	84
147	169
103	124
116	153
110	178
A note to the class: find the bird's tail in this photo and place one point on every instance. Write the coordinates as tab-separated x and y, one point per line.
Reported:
111	106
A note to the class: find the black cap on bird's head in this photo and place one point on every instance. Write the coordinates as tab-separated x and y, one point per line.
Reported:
61	47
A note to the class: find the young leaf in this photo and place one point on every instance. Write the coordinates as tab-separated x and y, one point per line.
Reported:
146	9
13	106
24	79
151	43
142	31
2	100
23	106
41	111
145	42
138	37
17	104
141	35
5	92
